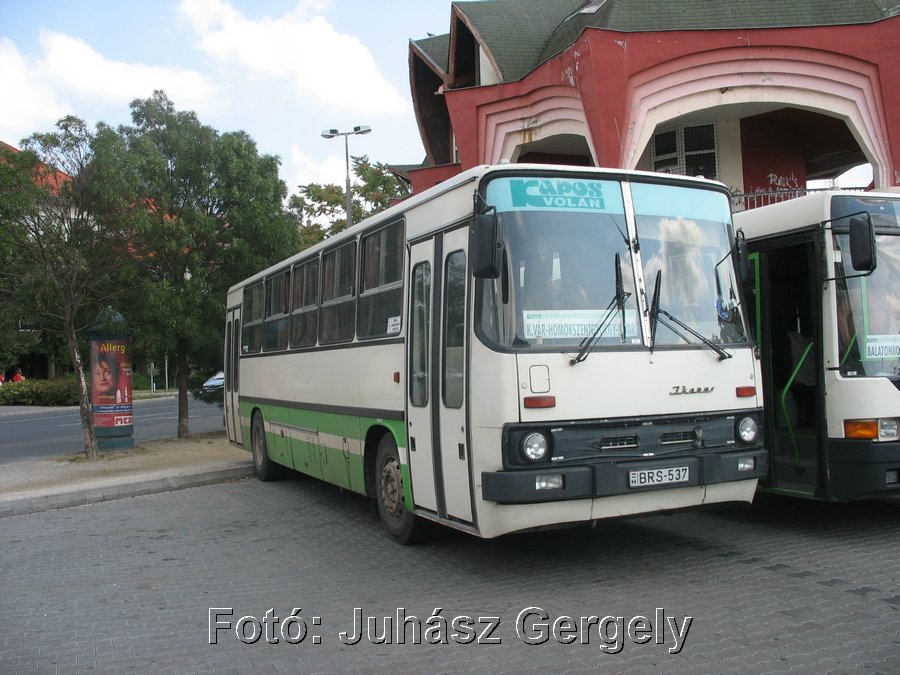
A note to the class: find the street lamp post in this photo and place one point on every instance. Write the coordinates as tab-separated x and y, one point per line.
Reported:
331	133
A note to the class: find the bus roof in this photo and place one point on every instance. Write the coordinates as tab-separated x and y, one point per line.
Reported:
795	214
472	175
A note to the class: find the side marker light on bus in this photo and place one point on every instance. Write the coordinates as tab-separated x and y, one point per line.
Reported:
892	476
540	401
397	376
745	392
553	481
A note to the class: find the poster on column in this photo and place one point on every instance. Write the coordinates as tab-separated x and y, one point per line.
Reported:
111	397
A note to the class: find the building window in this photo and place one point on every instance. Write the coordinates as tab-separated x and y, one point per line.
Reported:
689	151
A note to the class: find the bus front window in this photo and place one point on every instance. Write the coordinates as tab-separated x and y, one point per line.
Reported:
683	235
868	311
558	281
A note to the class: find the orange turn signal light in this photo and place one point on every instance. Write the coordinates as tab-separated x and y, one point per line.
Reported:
745	392
861	429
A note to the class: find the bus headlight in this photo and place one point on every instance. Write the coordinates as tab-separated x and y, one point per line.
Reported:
747	430
888	429
535	446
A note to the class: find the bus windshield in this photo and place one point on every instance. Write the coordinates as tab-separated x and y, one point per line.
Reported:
868	311
684	237
568	264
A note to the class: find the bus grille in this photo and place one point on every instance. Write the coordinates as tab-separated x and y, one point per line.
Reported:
618	442
676	437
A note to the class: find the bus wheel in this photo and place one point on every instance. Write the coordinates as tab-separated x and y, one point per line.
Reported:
266	469
401	524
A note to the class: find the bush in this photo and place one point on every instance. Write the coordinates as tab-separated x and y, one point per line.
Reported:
39	392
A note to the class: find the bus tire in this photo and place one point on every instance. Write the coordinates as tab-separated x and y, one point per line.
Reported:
266	469
403	526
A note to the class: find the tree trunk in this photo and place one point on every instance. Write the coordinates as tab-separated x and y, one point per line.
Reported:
183	428
91	451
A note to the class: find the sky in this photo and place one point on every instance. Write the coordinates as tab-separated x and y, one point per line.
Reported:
280	70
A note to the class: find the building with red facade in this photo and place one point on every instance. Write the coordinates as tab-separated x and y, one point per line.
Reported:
763	96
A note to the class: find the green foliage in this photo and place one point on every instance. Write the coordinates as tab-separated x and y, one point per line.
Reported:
380	187
157	219
61	392
320	211
210	213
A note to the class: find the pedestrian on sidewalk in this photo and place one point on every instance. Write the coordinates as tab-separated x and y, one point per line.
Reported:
18	377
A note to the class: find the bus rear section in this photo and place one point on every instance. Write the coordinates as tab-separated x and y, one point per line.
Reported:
828	326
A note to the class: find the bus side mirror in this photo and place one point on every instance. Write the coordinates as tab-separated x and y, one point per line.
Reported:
484	246
742	256
862	243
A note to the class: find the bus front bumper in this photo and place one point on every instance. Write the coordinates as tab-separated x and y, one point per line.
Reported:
549	483
863	468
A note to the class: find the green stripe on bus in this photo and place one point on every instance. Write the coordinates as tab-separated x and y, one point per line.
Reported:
330	463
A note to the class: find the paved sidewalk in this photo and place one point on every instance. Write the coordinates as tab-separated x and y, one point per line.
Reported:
154	466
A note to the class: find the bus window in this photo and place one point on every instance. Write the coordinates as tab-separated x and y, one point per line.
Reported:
251	336
338	274
381	295
304	320
868	310
684	234
278	299
420	313
454	329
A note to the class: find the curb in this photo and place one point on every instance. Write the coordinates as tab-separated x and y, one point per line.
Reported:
20	507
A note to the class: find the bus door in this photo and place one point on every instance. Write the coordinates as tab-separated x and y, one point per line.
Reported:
790	343
232	370
436	363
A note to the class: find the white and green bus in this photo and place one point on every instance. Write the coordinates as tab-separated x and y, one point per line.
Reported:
521	346
827	298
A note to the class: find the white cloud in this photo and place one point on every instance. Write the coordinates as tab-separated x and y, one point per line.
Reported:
89	75
69	77
301	49
27	104
304	169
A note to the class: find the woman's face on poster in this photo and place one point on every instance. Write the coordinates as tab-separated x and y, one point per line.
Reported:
104	377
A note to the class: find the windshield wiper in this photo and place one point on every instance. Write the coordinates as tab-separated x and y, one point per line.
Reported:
616	304
656	316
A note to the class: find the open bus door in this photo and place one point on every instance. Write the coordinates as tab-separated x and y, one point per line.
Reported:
788	308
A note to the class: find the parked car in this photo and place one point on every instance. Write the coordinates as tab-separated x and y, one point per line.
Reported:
211	390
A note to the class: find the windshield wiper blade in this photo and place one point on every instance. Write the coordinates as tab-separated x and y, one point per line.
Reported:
656	316
617	303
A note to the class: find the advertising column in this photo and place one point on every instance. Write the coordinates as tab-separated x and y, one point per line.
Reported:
111	394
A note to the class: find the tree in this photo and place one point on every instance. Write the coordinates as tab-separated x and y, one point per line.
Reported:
321	209
210	213
61	234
